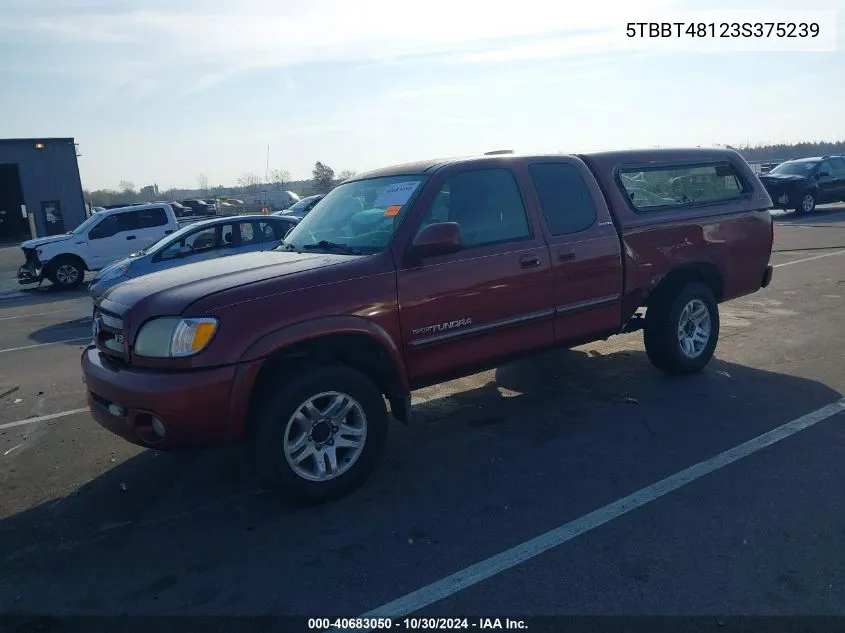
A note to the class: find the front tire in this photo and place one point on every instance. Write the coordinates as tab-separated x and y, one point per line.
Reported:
682	329
66	273
806	203
319	436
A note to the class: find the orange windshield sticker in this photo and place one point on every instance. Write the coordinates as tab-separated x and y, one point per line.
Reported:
390	211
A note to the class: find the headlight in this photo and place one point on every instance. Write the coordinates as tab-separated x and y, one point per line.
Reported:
174	337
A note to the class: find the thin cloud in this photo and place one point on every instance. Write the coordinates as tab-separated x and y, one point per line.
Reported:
232	38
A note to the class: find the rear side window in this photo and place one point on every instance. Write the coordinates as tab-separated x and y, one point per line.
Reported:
129	221
673	187
837	167
150	218
565	199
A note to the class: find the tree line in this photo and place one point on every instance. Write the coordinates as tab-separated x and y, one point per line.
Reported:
786	151
323	179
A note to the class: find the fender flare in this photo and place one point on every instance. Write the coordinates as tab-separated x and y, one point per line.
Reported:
305	331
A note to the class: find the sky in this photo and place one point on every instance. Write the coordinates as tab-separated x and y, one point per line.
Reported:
161	91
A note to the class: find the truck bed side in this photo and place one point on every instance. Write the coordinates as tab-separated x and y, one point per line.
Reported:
727	244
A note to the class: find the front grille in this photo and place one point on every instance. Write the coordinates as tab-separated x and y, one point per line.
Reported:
108	334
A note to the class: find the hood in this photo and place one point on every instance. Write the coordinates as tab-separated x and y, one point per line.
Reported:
41	241
120	263
778	178
172	291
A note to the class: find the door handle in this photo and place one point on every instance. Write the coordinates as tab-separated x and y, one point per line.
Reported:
130	237
565	256
168	232
529	261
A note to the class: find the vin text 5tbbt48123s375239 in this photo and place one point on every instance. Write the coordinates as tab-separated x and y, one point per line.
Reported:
415	274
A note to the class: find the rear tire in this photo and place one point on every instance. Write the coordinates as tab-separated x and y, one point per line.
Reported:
682	329
284	428
66	273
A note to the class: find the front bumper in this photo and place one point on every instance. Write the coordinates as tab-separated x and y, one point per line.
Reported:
98	287
30	274
197	407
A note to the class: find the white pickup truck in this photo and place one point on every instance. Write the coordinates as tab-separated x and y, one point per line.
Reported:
102	239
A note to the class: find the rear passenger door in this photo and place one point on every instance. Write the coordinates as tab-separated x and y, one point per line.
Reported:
832	185
152	226
585	249
490	300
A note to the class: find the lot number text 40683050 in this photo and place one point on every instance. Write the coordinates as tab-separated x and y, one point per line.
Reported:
418	623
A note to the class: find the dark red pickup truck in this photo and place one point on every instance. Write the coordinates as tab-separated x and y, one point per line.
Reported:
412	275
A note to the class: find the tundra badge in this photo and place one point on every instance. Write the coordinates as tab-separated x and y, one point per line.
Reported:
442	327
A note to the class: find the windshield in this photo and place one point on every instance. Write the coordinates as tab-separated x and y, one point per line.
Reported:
300	205
361	215
82	228
793	169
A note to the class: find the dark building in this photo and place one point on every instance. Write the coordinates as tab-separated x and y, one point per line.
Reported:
40	188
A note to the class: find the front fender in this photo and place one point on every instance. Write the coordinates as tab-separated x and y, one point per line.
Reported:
314	329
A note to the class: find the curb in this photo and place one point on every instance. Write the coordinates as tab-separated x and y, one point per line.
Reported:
12	294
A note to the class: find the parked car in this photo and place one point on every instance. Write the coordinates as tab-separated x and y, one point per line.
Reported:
212	204
276	200
200	241
198	207
179	209
803	183
301	208
450	267
97	242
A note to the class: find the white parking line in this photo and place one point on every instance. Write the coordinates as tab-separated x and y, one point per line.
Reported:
514	556
23	316
42	418
809	259
69	340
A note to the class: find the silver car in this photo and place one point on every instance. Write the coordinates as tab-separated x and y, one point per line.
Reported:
200	241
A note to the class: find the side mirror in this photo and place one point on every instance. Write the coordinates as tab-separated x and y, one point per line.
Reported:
442	238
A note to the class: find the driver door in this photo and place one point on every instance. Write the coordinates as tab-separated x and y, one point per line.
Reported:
490	300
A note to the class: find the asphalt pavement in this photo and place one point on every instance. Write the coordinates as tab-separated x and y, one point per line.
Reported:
581	482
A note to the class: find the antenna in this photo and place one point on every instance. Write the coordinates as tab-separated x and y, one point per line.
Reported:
498	152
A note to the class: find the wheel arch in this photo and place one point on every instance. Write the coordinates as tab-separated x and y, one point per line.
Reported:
351	341
707	273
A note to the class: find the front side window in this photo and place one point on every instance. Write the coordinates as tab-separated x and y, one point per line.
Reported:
359	216
107	228
565	199
198	241
827	168
248	233
672	187
486	204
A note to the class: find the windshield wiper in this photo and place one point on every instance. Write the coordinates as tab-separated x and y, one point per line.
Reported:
333	246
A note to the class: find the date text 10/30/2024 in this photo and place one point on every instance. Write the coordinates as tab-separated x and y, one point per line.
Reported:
372	624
